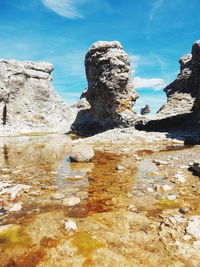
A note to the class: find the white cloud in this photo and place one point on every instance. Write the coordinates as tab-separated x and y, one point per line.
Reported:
155	83
155	7
134	62
65	8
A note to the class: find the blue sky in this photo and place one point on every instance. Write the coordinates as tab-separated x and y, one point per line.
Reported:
155	33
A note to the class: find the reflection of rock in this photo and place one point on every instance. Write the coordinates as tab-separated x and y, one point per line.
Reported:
34	151
82	152
28	101
145	110
110	91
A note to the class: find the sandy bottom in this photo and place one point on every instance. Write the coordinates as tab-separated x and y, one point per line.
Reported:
123	218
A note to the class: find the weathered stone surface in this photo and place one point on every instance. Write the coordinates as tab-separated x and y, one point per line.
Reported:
145	110
28	102
110	91
82	152
182	92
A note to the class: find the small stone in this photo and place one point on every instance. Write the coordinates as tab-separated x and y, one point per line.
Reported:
71	201
171	197
160	162
16	207
138	158
71	225
58	196
132	207
179	178
120	167
43	187
186	237
184	210
82	152
163	188
150	190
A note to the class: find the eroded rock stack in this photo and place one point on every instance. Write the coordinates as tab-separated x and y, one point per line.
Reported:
184	93
110	91
27	99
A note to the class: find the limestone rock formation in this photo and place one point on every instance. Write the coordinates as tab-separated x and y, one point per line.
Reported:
181	112
184	93
28	102
110	91
145	110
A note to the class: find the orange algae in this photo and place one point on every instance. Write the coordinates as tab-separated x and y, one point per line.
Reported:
86	244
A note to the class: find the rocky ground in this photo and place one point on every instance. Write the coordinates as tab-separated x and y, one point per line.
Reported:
134	204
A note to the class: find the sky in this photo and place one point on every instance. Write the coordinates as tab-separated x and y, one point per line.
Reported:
155	34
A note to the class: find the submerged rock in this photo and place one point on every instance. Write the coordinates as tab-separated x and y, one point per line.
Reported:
110	91
71	201
82	152
28	102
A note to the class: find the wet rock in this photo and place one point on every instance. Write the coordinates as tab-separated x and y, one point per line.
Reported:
110	93
145	110
71	225
82	152
195	168
71	201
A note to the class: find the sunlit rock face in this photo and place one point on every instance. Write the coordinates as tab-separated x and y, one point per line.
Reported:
28	101
184	93
110	91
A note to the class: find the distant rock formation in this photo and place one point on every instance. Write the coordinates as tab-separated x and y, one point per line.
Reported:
110	91
28	102
145	110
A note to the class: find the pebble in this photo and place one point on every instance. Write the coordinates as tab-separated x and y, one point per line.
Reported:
138	158
58	196
120	167
184	210
179	177
163	188
171	197
71	201
160	162
71	225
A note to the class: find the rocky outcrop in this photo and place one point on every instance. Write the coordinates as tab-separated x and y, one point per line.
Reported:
110	93
28	102
181	112
184	93
145	110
